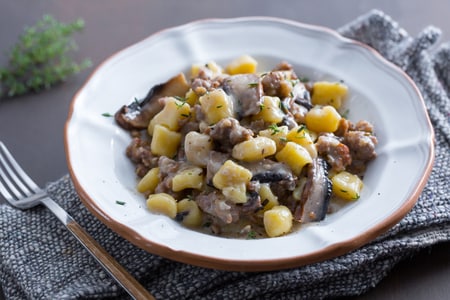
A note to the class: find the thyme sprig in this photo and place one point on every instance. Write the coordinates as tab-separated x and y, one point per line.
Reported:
39	59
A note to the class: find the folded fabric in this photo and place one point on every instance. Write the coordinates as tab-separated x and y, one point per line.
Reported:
41	260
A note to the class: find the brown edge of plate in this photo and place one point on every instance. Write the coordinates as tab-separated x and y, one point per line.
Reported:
332	251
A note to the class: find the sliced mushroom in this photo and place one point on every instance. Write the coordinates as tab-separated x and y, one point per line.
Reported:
268	171
301	96
315	198
246	91
137	114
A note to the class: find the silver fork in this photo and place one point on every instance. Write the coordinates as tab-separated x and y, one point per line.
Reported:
20	191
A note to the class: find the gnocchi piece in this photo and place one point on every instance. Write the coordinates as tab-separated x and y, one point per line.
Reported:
295	156
322	119
277	221
346	185
149	182
189	213
191	178
197	147
231	174
212	69
254	149
162	203
278	134
216	106
242	65
165	141
270	110
173	112
300	135
329	93
191	98
236	193
268	199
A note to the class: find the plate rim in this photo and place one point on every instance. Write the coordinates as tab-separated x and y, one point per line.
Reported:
328	252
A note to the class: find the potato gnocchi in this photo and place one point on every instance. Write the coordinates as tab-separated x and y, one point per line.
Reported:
238	152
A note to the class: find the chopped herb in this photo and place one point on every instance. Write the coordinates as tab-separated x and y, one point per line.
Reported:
179	104
283	107
345	113
261	107
344	191
219	106
356	197
301	128
120	202
251	235
283	139
294	82
263	74
182	99
253	84
107	114
275	129
186	115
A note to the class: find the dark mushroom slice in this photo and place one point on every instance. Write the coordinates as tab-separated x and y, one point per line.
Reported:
252	205
246	91
137	115
301	95
315	198
268	171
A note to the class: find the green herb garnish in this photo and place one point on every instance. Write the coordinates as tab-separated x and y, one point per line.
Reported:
275	129
180	101
40	59
251	235
261	107
304	79
301	128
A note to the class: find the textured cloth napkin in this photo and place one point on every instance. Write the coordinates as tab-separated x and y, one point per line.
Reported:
41	260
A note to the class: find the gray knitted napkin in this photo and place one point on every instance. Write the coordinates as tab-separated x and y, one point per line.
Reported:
41	260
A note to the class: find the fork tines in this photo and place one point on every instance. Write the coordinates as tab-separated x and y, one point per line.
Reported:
15	184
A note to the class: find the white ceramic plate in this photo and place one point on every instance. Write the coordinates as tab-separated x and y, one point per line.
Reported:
380	93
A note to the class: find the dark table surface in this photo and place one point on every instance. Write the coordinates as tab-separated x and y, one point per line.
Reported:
32	126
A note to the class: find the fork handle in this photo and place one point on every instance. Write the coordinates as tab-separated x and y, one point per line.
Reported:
117	271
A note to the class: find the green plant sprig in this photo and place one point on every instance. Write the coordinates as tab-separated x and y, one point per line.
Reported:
40	60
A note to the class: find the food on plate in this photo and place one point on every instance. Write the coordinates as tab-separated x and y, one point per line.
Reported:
237	153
